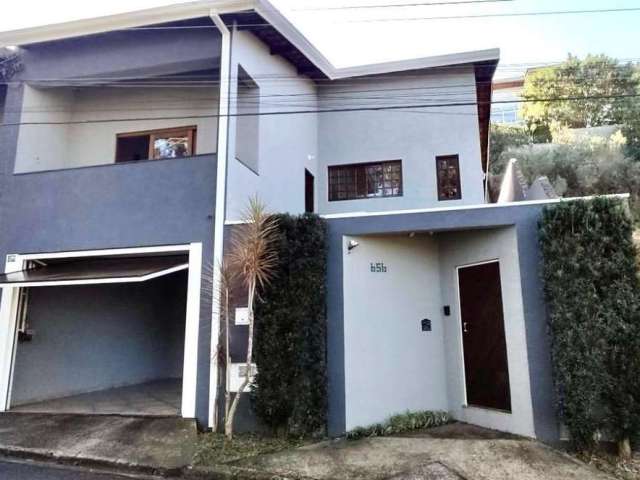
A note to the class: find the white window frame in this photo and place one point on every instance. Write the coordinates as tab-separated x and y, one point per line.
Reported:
9	309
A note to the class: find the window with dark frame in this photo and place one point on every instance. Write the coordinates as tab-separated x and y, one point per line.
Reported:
448	177
156	144
365	180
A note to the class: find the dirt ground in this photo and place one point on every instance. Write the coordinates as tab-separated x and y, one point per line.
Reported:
452	452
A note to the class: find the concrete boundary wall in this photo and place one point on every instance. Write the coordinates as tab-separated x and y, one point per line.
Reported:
523	222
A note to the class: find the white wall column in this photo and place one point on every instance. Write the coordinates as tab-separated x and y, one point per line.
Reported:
192	329
220	209
8	318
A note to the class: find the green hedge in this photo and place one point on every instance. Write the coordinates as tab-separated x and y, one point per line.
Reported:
401	423
592	292
290	391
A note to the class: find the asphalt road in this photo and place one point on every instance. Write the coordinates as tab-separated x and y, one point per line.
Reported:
30	471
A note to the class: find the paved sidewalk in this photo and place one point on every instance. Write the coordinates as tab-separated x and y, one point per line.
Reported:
453	452
163	445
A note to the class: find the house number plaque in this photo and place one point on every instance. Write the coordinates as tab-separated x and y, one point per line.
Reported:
379	267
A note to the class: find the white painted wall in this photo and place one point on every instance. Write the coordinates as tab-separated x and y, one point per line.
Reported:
52	147
44	147
463	248
288	143
416	136
391	366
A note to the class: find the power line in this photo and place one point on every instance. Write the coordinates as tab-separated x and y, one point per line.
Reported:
285	99
399	5
407	19
208	80
185	102
499	15
332	110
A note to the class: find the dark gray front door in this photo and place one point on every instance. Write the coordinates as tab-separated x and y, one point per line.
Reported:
485	349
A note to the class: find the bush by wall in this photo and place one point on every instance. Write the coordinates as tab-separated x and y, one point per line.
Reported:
593	297
290	391
401	423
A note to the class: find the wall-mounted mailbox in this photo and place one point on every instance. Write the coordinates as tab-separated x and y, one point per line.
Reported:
242	316
447	310
426	325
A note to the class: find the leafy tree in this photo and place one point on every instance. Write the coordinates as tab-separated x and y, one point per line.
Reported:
10	64
631	128
587	167
502	138
605	85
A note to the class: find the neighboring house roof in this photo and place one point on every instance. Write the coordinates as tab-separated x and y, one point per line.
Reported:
508	83
264	11
514	187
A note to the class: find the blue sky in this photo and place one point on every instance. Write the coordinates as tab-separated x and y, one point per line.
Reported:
356	36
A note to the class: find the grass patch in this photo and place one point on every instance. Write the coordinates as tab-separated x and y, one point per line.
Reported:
611	464
401	423
215	449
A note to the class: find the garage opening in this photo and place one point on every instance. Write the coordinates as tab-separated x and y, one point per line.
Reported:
100	335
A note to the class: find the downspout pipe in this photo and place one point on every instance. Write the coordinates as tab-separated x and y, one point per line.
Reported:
220	207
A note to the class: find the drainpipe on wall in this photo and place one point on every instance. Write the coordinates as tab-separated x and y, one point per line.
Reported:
220	209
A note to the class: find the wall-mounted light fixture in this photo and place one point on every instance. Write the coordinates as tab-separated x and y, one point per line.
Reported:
352	244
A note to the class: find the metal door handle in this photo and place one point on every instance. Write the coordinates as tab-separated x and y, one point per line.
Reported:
464	327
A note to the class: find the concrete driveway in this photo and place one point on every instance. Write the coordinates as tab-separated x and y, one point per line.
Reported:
147	445
453	452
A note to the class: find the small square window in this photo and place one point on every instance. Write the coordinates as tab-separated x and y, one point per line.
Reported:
448	177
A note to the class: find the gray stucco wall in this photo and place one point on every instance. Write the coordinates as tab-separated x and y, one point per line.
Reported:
130	53
525	218
150	203
124	205
415	136
90	338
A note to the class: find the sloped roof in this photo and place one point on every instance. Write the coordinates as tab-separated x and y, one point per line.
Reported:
264	12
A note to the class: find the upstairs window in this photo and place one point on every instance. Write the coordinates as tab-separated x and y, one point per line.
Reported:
156	144
248	122
365	180
448	174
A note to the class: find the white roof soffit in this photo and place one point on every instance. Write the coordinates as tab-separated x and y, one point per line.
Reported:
264	8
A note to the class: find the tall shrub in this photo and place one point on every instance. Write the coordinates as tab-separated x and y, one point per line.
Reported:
592	292
290	390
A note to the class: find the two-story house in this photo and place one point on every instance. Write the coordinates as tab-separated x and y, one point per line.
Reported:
130	143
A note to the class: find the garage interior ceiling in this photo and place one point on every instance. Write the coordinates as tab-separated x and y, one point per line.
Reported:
94	270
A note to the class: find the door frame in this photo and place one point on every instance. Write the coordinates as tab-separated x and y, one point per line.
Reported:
461	333
9	308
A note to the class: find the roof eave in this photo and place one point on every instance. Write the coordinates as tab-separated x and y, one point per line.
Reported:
152	16
203	8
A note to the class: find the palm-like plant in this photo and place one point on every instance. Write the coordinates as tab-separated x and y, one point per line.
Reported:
220	357
253	258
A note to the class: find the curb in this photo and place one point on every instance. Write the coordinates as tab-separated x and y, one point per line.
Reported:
92	463
227	472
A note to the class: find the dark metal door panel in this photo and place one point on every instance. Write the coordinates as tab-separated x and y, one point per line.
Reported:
483	338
